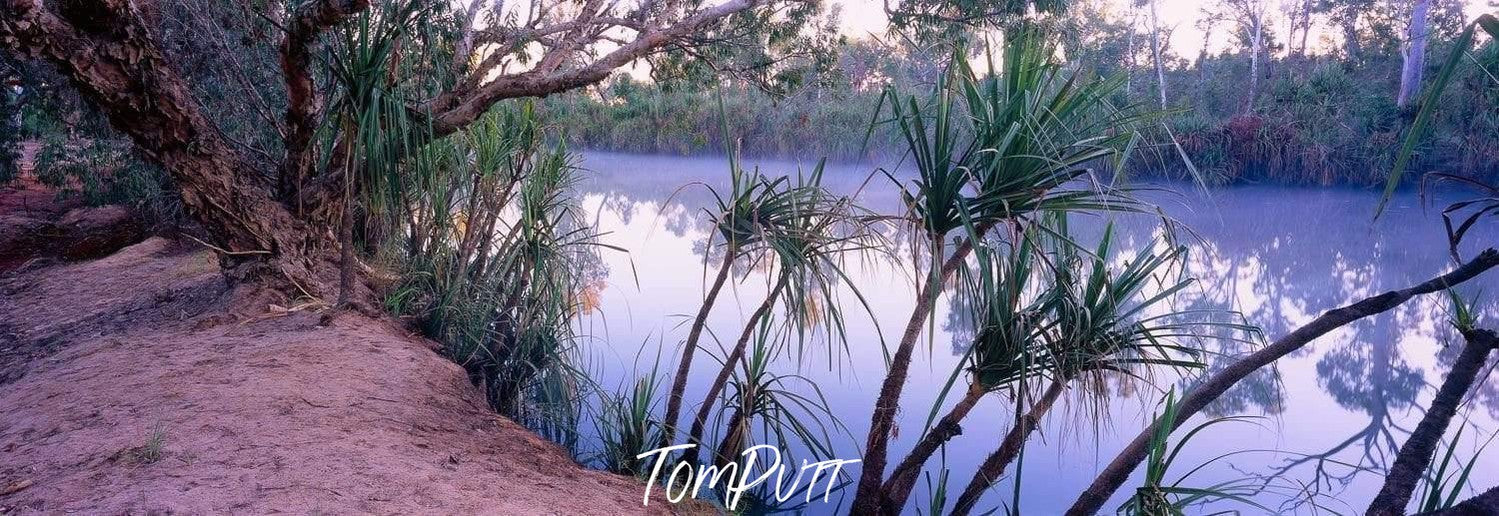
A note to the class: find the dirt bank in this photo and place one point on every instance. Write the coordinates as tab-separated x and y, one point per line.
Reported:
136	384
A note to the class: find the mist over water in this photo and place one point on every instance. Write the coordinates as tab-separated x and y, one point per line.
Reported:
1333	414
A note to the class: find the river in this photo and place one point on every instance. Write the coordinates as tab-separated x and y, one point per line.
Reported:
1278	255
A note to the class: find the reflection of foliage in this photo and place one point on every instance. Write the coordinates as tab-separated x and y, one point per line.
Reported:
1347	375
1365	375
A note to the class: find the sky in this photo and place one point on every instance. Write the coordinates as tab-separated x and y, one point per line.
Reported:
860	17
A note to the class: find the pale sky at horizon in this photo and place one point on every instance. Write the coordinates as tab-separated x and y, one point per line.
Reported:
860	17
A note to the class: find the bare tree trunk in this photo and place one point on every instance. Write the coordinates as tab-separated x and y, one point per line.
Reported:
1155	52
735	356
1415	454
868	498
679	382
1129	51
1114	475
1306	26
903	479
303	104
1257	19
1009	449
1414	53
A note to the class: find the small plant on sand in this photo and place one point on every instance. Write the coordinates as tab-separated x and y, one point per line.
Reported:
150	451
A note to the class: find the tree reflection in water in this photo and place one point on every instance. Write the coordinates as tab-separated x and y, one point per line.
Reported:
1278	256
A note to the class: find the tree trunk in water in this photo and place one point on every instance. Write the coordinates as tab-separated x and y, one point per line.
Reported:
868	498
1415	454
1193	401
1414	54
106	50
679	382
903	479
1009	449
1155	52
698	423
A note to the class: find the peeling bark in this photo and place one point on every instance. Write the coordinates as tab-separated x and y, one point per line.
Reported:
1414	55
303	104
105	48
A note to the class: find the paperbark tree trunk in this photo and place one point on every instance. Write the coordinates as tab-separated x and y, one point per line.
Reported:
1306	26
106	51
1155	52
1257	27
1414	53
1129	52
1198	398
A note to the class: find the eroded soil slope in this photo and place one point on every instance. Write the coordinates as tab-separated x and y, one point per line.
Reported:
135	384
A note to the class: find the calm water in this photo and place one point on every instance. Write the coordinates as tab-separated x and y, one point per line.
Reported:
1281	256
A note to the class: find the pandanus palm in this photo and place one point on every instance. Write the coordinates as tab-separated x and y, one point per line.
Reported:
989	151
737	219
805	231
1102	322
791	409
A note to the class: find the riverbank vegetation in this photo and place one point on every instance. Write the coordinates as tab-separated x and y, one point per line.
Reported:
1270	104
398	163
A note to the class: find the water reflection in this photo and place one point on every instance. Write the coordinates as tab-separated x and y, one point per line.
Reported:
1277	256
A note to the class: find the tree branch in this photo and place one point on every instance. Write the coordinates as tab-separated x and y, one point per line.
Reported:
1415	454
1114	475
106	50
453	112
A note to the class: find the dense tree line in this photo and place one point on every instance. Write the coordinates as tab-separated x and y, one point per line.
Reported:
1314	92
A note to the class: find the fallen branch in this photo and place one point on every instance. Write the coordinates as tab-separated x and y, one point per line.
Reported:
1114	475
1415	454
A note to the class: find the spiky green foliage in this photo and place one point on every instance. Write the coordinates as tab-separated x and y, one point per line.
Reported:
1445	481
1049	309
497	263
628	426
1160	496
1032	139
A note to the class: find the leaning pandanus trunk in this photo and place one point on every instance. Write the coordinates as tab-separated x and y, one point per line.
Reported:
679	382
735	356
1008	450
